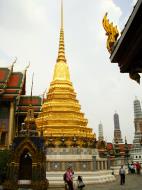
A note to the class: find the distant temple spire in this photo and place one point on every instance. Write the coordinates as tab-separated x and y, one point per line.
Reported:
101	136
137	109
117	131
116	121
137	141
137	116
61	51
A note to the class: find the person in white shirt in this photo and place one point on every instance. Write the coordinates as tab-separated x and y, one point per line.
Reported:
122	175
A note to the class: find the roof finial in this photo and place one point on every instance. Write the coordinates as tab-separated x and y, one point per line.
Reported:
125	140
27	66
13	63
61	51
32	88
111	32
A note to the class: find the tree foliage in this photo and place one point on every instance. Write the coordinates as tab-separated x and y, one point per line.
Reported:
4	157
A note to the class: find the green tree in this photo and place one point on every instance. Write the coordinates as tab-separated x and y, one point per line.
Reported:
4	158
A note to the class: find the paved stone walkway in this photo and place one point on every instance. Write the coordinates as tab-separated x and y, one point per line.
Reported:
133	182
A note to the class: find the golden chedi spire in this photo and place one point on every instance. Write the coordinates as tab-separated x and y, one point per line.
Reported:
61	119
61	71
61	52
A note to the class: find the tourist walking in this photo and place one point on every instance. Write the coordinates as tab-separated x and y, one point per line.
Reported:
122	175
68	178
80	183
65	181
131	168
138	167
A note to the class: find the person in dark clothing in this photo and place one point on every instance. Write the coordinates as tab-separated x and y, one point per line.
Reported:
122	175
80	183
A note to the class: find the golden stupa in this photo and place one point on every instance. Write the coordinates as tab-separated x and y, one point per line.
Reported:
61	121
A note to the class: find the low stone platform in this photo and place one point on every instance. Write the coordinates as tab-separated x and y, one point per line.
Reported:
56	178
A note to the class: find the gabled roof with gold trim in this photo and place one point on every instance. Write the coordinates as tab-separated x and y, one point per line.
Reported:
4	73
121	147
25	101
12	83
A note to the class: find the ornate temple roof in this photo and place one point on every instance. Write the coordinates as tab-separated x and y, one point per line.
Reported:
25	101
12	83
4	75
121	147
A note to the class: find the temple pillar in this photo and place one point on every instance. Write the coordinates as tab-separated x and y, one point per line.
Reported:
98	164
105	164
77	166
94	163
102	165
11	123
0	136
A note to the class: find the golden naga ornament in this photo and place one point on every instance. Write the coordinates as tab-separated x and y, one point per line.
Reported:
111	32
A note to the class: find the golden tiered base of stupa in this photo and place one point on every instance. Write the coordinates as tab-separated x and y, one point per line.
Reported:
61	121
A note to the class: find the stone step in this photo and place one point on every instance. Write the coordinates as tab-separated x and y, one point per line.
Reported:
56	178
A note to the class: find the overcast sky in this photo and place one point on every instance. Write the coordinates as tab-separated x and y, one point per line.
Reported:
29	30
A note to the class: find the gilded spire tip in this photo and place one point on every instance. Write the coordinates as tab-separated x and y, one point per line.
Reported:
62	14
61	51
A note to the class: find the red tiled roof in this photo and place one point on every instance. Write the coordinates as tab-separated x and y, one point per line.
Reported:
15	80
130	146
4	72
25	108
11	91
121	146
10	82
109	146
26	100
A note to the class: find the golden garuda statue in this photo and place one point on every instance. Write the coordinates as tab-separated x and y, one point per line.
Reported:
111	32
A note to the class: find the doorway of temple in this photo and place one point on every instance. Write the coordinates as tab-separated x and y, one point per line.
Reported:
25	165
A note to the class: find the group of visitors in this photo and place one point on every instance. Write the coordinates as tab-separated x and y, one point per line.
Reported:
69	175
68	179
134	168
